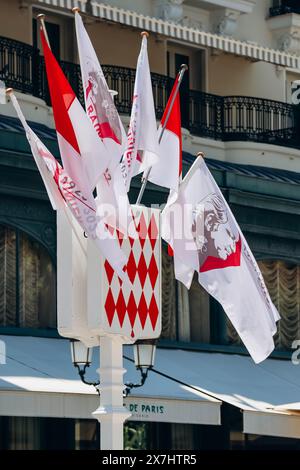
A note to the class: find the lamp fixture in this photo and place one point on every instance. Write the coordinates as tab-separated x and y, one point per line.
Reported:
144	355
82	358
143	351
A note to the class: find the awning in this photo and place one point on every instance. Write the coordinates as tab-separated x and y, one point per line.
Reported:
184	33
267	393
39	379
185	387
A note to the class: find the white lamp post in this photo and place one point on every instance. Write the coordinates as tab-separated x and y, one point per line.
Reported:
111	413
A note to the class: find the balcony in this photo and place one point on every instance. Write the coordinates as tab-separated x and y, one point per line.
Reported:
283	7
229	118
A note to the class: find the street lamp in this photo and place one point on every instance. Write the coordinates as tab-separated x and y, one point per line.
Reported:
143	351
82	358
144	354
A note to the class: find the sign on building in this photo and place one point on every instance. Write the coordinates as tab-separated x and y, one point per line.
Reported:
116	307
92	300
72	280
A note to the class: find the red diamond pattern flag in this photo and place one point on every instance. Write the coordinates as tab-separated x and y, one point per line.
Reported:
116	307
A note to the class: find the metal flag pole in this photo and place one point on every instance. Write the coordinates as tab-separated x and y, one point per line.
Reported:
41	17
179	78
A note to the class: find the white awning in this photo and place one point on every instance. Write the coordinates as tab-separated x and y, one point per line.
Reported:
268	393
39	379
184	33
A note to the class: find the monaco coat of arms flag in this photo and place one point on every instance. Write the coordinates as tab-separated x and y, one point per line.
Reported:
115	307
206	238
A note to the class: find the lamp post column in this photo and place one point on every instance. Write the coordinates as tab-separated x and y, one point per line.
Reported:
111	413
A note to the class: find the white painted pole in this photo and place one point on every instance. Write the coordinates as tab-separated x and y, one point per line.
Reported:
145	177
41	17
111	413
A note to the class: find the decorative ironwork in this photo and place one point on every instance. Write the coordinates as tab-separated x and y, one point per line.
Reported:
18	64
260	120
227	118
206	114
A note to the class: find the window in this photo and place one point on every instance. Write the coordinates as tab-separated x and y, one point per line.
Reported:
136	436
194	316
185	313
194	77
60	32
27	282
283	282
281	7
53	32
20	433
87	434
168	301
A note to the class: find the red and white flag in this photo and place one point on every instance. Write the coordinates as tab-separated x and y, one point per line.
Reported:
84	155
102	112
99	103
206	238
168	169
65	194
142	139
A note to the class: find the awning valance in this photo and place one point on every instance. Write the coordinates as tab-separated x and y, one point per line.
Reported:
184	33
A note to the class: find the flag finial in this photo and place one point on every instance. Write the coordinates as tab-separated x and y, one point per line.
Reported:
200	154
9	91
76	10
145	33
41	17
184	67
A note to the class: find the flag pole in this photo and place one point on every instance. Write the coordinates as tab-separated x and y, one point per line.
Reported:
111	412
179	78
41	17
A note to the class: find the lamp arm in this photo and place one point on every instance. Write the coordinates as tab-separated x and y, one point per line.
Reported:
82	372
130	385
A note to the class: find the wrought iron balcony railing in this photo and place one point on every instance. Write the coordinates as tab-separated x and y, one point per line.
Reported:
226	118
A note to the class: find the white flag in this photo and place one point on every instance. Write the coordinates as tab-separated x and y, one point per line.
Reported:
99	103
142	139
101	110
64	193
213	245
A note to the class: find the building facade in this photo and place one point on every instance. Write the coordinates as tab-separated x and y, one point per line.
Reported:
239	106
